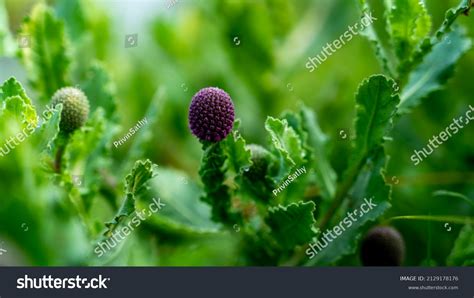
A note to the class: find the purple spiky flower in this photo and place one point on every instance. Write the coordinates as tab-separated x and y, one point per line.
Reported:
211	114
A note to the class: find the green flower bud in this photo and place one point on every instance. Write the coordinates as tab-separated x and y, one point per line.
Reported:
261	159
75	108
256	177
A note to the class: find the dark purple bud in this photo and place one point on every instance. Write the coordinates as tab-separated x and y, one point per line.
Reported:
211	114
382	246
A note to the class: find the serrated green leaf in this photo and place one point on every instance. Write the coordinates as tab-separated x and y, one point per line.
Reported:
451	15
462	253
255	180
287	146
22	112
135	183
12	87
16	106
436	68
376	104
318	141
370	185
48	131
217	194
408	25
127	208
292	225
45	58
238	156
370	33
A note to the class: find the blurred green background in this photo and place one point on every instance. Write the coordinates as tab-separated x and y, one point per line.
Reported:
256	50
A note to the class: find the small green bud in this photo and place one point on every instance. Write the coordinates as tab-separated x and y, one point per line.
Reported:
261	160
256	177
75	108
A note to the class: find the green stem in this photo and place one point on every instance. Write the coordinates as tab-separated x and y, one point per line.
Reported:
61	143
441	218
341	194
58	159
217	194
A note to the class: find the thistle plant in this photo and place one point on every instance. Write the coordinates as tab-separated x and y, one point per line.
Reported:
75	108
219	192
211	115
211	119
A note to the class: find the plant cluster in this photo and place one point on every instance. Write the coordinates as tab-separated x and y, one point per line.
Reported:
237	178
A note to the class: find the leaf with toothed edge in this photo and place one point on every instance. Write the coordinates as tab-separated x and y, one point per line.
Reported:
370	184
238	156
370	33
376	104
16	110
287	146
46	57
436	68
213	175
292	225
409	25
135	185
451	15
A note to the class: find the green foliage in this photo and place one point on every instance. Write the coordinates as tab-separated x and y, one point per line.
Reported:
376	103
292	225
46	57
408	24
7	44
409	27
135	186
318	145
435	70
224	210
185	215
463	250
451	15
286	145
238	155
370	184
18	108
212	173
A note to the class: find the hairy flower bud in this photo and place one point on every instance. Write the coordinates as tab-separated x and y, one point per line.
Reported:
75	108
211	114
382	246
261	159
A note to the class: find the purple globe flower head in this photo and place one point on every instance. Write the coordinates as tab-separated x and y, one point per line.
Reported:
211	114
